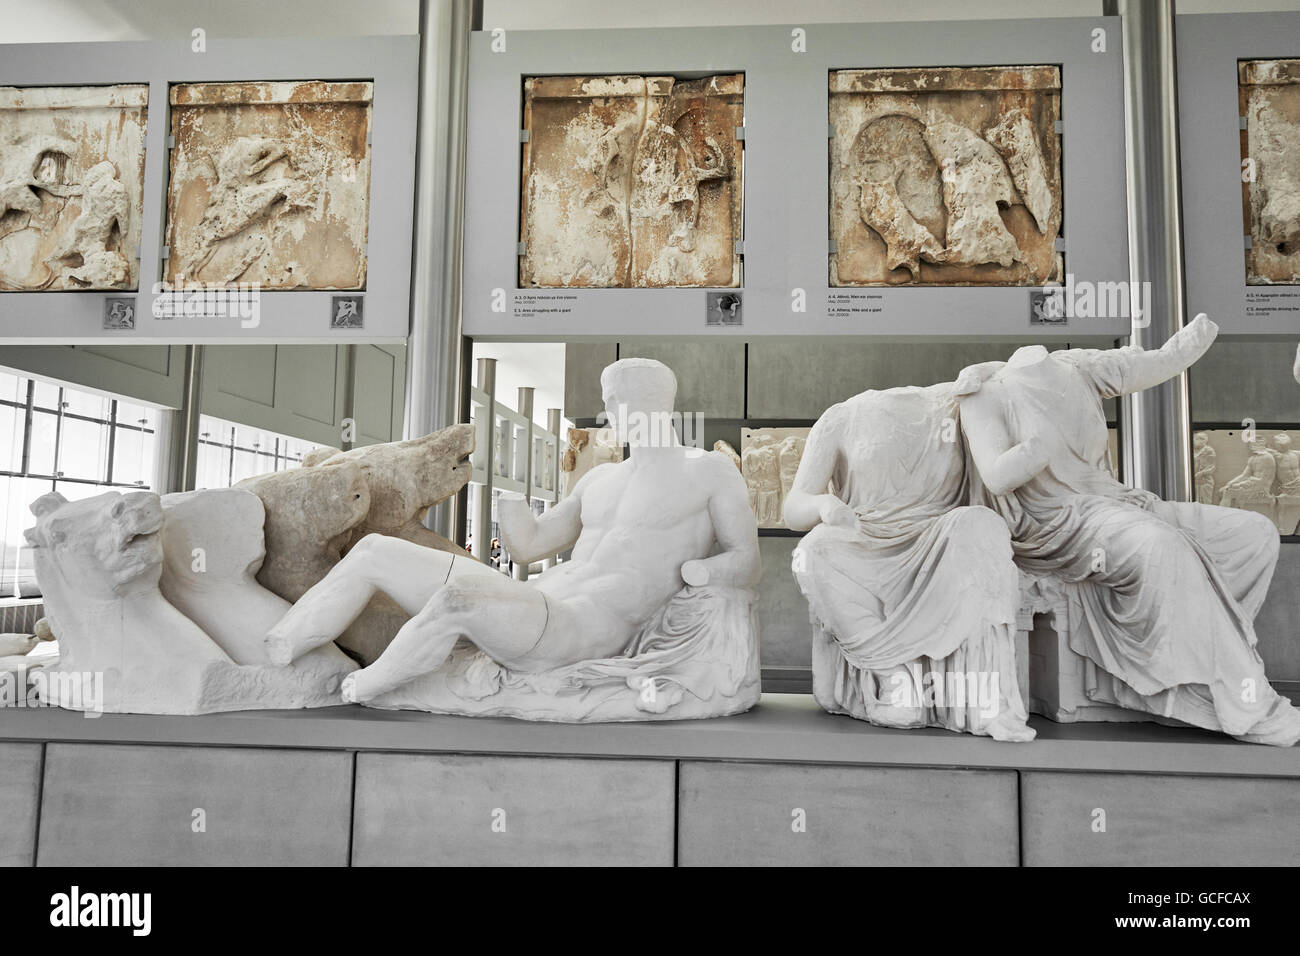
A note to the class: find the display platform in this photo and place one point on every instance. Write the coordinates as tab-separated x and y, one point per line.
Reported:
787	728
784	784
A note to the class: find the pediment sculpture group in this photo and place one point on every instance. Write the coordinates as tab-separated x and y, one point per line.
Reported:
938	521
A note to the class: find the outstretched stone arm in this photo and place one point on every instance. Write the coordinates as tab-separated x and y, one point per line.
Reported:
1135	369
1003	464
809	503
529	538
737	562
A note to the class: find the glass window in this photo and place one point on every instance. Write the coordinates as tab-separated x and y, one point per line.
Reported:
230	452
79	444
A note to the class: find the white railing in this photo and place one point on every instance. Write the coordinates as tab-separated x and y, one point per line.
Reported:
511	453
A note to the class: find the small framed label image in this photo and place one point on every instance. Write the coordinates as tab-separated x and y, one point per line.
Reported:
1046	307
724	308
347	312
119	313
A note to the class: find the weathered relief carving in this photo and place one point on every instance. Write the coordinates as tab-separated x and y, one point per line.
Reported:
631	181
1257	472
270	184
587	448
948	176
769	459
71	186
1269	95
317	513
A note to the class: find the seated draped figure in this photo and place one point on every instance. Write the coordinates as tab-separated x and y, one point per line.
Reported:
1161	596
157	611
652	617
913	593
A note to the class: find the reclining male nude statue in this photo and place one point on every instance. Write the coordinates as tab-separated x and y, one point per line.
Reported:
913	593
1162	595
664	550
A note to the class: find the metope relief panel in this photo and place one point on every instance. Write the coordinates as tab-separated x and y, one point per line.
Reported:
945	177
1257	470
769	459
71	187
1269	93
270	184
631	181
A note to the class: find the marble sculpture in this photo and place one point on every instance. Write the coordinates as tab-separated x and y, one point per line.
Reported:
631	181
270	184
100	563
1269	99
1159	596
586	448
769	459
319	512
71	187
1251	470
948	176
912	590
651	618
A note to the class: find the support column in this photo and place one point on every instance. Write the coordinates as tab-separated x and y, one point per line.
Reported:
487	383
525	408
433	375
553	425
183	442
1155	424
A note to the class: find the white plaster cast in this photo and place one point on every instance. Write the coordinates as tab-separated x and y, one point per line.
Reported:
651	618
1163	594
913	594
123	647
212	550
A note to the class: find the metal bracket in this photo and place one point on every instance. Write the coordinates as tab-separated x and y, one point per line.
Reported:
166	253
1060	127
524	136
1241	120
1059	245
171	142
740	247
830	131
521	249
832	247
1246	242
740	133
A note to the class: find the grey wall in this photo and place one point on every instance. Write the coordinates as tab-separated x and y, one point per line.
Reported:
152	374
303	390
1236	380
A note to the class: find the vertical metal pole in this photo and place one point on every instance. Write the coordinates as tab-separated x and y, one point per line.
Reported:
184	444
553	468
1156	423
525	409
433	384
487	383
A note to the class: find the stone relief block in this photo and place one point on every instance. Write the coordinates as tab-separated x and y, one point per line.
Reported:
631	181
585	449
769	459
1257	472
270	184
71	186
1269	98
948	176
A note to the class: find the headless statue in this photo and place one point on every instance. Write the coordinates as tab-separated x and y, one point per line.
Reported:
639	530
1163	593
